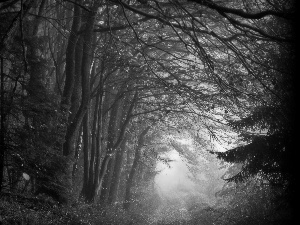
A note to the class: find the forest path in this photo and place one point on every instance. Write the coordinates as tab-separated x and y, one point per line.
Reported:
166	214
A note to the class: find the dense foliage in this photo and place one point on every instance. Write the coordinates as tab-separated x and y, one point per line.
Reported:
269	134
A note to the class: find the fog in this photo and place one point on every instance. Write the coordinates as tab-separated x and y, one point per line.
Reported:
173	176
175	181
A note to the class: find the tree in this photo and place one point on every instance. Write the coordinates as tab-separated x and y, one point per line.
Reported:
137	156
268	151
31	117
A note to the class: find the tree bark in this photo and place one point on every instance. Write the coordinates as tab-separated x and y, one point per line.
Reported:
95	184
106	184
74	126
134	167
100	145
88	192
37	68
116	170
70	57
113	192
111	150
77	155
86	147
76	95
112	133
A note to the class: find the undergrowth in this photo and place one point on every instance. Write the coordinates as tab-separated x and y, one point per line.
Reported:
33	211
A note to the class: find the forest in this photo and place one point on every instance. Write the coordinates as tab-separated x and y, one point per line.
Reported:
148	112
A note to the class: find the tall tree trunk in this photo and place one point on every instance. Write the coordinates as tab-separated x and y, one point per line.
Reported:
112	133
86	147
88	189
116	165
120	119
102	126
36	85
59	51
134	167
99	144
107	180
70	57
77	155
75	100
111	151
76	95
113	192
74	126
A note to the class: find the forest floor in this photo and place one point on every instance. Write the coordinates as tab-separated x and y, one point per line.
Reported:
21	209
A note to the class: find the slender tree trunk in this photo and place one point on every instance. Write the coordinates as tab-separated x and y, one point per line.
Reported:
113	192
120	119
95	185
101	124
75	117
76	95
86	147
107	180
134	167
77	156
75	101
116	166
112	130
88	194
111	150
70	57
102	172
73	128
36	85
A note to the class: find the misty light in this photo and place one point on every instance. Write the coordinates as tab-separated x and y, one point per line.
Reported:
173	175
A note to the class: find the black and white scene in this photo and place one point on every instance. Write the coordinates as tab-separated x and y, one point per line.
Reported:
148	112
